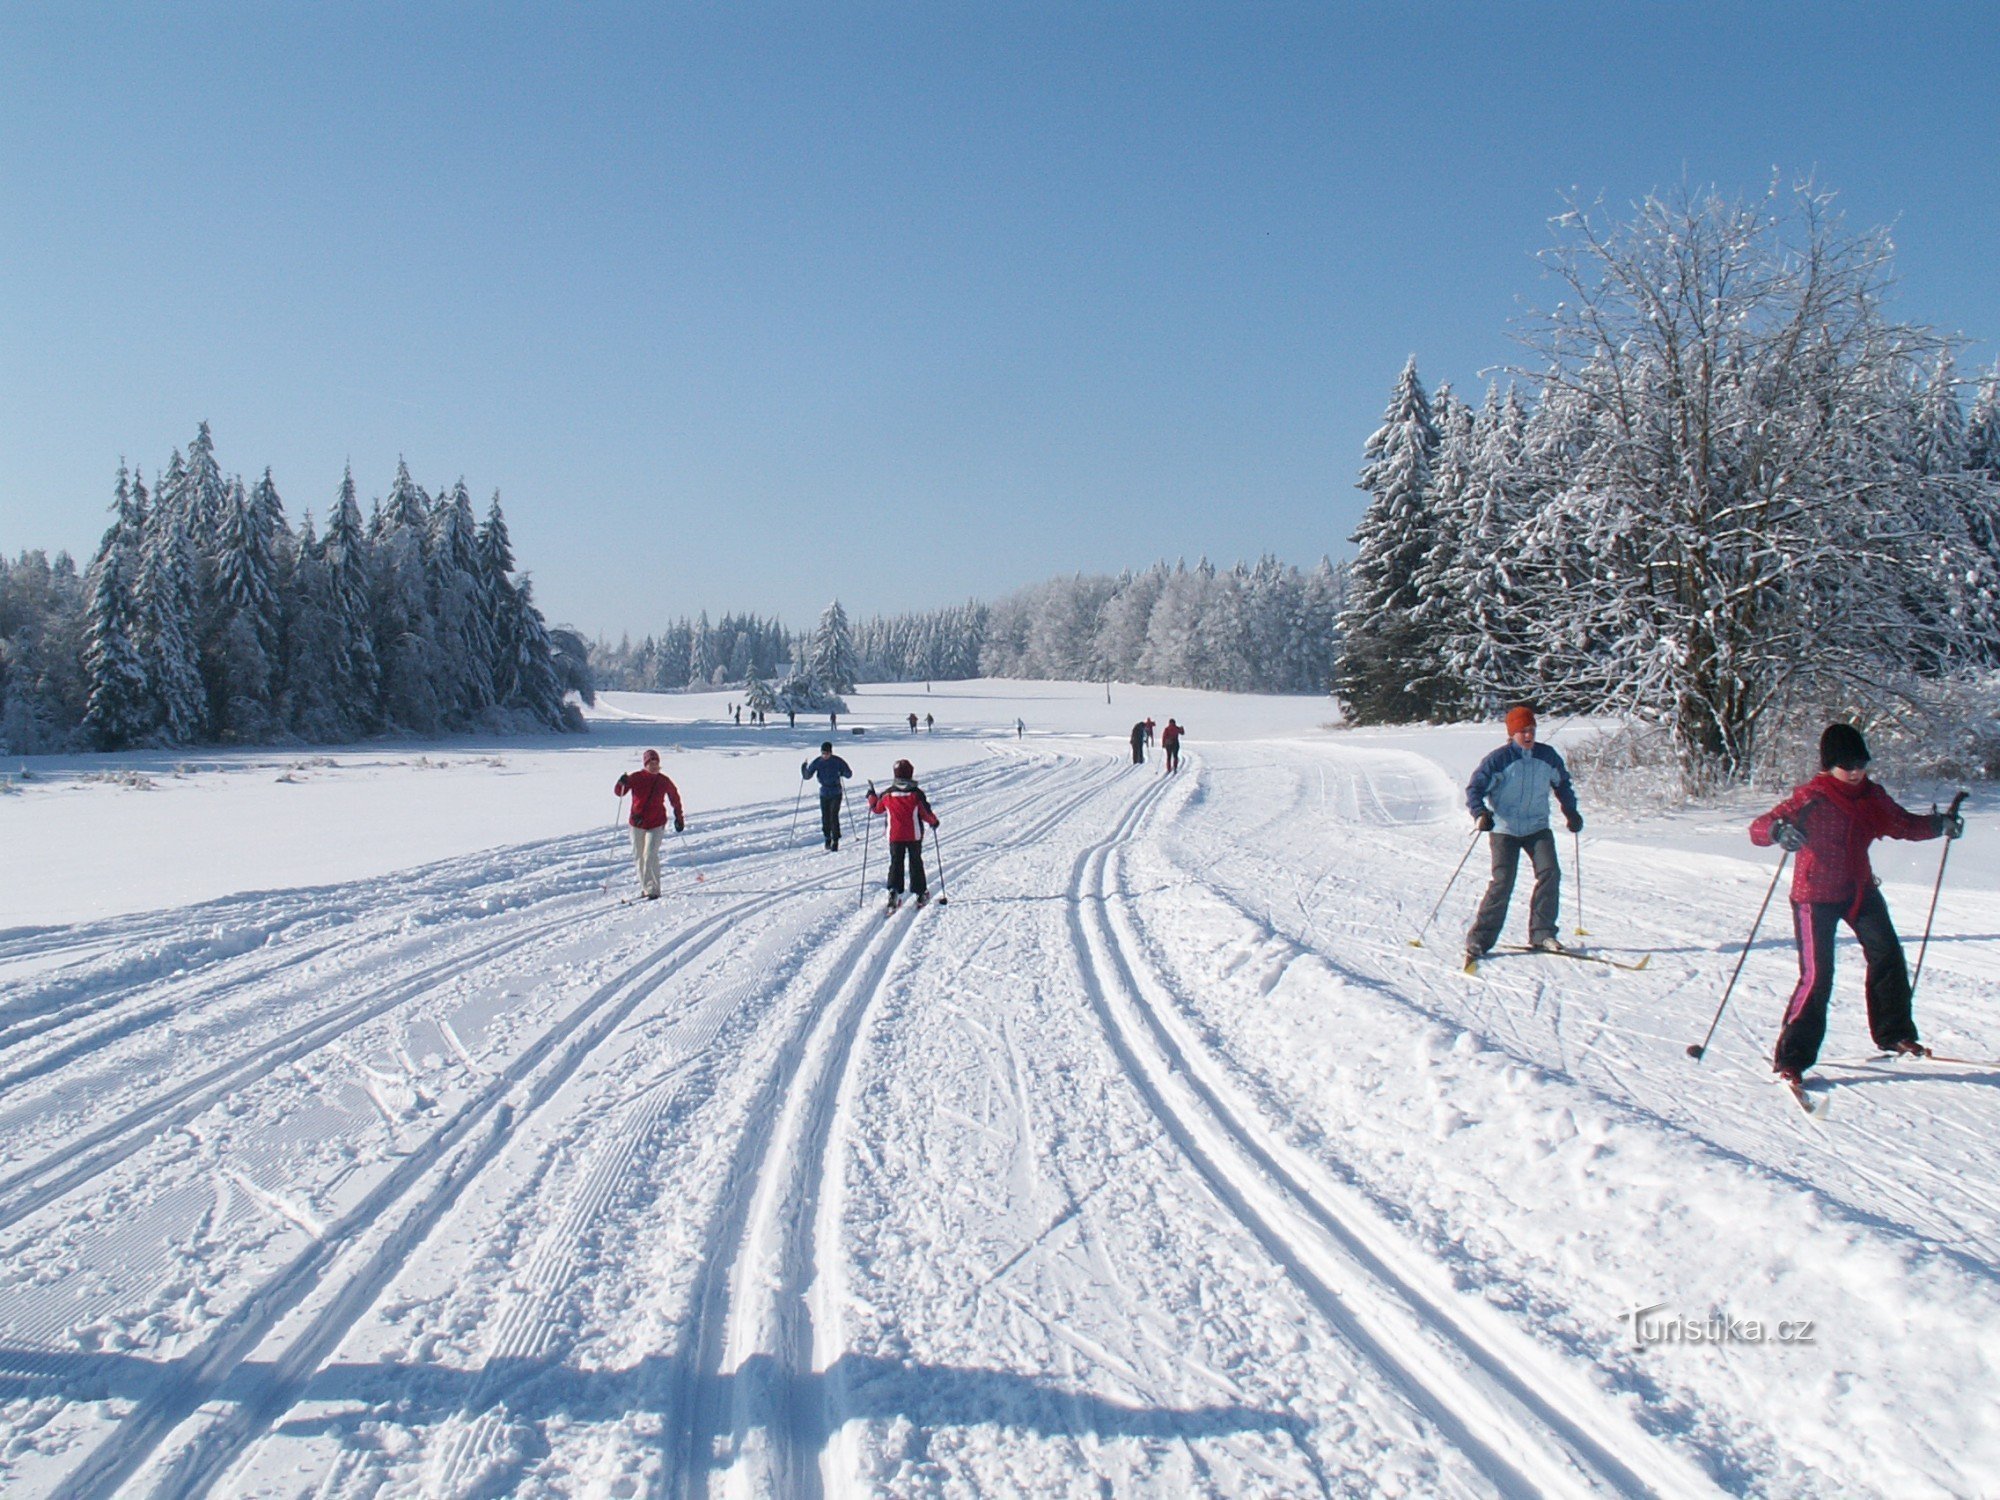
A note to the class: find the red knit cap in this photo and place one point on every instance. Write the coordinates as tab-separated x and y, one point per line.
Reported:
1520	717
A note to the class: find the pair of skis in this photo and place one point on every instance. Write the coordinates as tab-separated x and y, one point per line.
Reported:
1581	955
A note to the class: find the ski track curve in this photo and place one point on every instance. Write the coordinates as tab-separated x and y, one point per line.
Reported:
1479	1382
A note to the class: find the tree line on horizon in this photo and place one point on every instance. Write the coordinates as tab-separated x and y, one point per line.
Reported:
1733	497
204	618
1265	627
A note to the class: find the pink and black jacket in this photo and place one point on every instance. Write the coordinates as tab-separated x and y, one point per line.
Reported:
1840	822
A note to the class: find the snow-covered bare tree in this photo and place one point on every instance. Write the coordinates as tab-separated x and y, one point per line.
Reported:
1749	529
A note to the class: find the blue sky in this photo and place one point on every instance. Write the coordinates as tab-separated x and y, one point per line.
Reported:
750	306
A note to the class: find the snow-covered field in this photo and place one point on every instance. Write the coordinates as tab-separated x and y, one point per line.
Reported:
356	1137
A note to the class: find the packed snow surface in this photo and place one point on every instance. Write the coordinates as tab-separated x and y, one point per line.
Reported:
360	1135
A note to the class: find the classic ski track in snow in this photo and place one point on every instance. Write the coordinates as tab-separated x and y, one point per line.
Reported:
433	1179
385	1229
750	1298
385	1226
1480	1383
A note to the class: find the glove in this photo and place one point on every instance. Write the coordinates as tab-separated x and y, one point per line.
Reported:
1951	825
1788	836
1483	820
1574	821
680	823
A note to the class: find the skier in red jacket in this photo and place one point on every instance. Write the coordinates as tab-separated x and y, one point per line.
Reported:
651	791
1170	741
1829	824
907	807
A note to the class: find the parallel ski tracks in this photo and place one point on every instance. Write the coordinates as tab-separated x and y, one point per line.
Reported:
770	1218
392	1221
1529	1425
386	1227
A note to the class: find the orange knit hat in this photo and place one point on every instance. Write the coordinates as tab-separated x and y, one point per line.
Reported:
1520	717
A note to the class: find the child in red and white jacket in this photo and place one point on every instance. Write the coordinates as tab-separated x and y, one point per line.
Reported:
906	807
1829	824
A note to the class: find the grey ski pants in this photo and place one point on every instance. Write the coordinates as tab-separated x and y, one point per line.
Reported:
1507	849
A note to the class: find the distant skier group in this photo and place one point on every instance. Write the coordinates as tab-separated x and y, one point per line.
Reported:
1170	743
1828	823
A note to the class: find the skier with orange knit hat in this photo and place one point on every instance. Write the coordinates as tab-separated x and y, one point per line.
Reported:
1508	798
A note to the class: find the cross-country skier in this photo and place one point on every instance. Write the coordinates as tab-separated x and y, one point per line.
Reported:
651	791
913	723
1829	823
1149	729
907	807
831	771
1170	741
1508	797
1139	743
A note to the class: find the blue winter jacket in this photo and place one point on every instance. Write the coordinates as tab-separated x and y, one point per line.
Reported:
1515	784
831	771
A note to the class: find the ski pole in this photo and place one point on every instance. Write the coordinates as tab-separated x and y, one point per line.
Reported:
1695	1049
1418	940
867	829
792	832
937	844
619	816
1576	842
1919	971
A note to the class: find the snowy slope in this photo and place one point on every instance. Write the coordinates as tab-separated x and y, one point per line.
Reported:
410	1159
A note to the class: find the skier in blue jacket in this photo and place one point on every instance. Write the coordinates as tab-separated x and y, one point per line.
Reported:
831	771
1508	797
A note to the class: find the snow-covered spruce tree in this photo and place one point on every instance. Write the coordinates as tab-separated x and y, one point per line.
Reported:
1478	588
1748	534
119	710
404	629
1171	653
830	658
309	703
461	627
240	654
1385	654
701	653
1443	610
357	670
166	614
759	696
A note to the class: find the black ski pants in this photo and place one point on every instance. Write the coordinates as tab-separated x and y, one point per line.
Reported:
829	821
1507	849
913	852
1815	923
1138	752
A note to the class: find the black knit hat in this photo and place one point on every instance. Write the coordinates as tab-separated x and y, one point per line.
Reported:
1842	747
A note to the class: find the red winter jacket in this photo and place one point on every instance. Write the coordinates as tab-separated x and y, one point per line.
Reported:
650	791
904	802
1840	822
